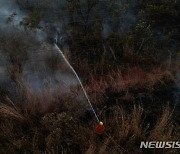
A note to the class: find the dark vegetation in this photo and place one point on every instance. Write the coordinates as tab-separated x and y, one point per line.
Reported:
127	55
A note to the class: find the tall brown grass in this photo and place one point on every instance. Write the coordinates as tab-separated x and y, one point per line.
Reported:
63	132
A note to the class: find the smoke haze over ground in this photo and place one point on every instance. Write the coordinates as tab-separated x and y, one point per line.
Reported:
10	10
89	29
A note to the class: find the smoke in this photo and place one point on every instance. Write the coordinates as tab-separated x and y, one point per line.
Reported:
10	17
51	73
42	72
3	64
36	70
7	86
121	22
56	18
127	21
53	31
9	11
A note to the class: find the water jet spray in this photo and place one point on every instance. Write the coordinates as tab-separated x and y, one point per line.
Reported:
100	128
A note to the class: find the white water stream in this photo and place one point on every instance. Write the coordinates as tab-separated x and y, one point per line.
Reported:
85	93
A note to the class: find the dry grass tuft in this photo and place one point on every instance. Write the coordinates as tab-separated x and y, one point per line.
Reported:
9	112
164	128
